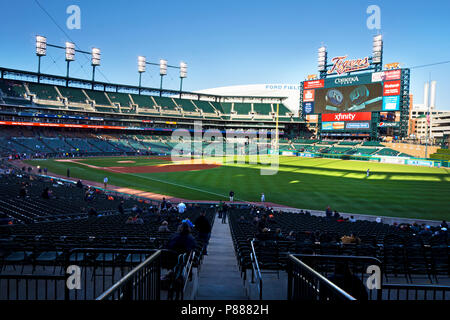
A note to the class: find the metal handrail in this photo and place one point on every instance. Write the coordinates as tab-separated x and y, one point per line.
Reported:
256	271
189	264
128	277
339	293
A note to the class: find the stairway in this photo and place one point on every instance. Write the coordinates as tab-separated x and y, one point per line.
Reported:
219	277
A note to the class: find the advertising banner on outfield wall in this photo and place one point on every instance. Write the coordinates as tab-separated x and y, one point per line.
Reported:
357	125
425	163
349	116
305	154
393	160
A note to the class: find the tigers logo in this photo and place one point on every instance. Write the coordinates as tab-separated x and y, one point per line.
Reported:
340	65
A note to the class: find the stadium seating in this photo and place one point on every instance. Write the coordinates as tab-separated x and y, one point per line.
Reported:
362	151
348	143
186	105
401	251
262	108
338	150
43	92
12	89
165	103
242	108
204	105
221	107
283	110
73	94
387	152
98	96
372	144
123	99
67	200
143	101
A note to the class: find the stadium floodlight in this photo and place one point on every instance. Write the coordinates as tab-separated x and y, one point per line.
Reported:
322	59
162	67
70	56
183	70
95	62
41	50
377	50
41	46
70	51
95	57
183	74
162	73
141	68
141	64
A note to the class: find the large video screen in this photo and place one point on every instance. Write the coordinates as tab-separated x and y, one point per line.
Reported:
367	92
358	98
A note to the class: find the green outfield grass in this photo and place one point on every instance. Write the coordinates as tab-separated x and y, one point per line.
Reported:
391	190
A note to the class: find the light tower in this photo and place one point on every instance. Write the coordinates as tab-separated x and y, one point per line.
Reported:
162	73
70	56
41	50
183	74
141	69
95	62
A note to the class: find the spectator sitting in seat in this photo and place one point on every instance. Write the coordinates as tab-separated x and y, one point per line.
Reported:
204	230
352	239
352	219
138	219
92	212
164	227
426	231
136	210
182	241
163	205
188	222
79	184
328	212
291	236
23	191
336	215
262	224
120	208
278	234
129	220
45	193
265	234
444	224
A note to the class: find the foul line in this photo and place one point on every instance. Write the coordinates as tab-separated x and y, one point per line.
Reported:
176	184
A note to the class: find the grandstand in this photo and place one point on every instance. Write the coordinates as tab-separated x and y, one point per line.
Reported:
113	231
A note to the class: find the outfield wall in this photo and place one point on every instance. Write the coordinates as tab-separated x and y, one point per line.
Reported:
377	158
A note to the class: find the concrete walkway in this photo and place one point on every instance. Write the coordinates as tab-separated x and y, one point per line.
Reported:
219	277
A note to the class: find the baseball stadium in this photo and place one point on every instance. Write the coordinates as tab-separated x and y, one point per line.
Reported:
311	192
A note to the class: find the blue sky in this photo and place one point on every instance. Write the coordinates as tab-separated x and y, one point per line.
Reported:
229	42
